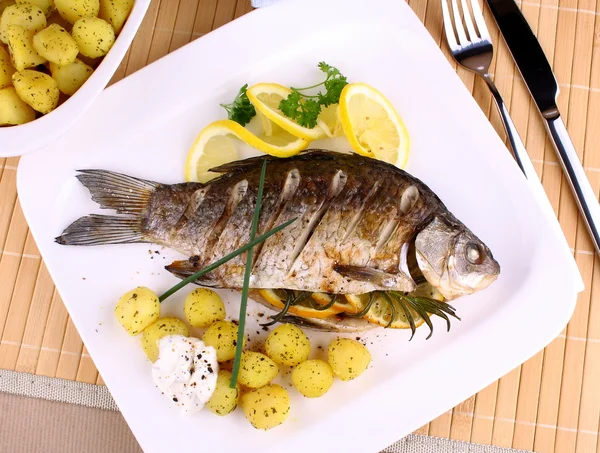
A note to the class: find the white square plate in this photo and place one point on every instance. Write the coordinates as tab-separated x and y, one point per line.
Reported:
145	125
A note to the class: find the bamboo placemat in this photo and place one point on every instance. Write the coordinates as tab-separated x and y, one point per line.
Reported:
549	404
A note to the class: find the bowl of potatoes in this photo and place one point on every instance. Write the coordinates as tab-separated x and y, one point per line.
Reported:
56	56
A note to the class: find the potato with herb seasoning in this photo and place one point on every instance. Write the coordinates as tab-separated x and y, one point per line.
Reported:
115	12
70	77
73	10
56	45
37	89
47	6
222	336
256	369
94	36
6	69
30	17
224	399
13	110
158	329
348	358
137	309
203	307
20	46
313	378
288	345
266	407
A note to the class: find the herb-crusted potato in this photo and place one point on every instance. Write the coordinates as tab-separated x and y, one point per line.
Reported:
348	358
222	336
30	17
13	110
56	45
70	77
6	69
313	378
159	329
224	399
287	345
203	307
115	12
266	407
20	45
256	369
73	10
47	6
94	36
137	309
37	89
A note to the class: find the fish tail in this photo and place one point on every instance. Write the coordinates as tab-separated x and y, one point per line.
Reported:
125	194
103	229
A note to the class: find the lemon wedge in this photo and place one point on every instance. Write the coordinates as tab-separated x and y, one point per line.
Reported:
372	124
266	98
215	145
384	312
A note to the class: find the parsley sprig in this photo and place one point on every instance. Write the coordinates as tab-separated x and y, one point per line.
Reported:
304	108
241	109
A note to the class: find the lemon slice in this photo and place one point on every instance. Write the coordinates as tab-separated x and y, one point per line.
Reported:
329	121
381	312
266	98
277	298
372	124
215	145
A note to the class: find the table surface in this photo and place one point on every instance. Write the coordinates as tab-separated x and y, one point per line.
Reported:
549	404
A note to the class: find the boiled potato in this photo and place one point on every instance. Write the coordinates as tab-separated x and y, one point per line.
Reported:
5	4
203	307
6	69
224	399
37	89
56	45
71	77
30	17
266	407
287	345
137	309
313	378
13	110
256	369
47	6
73	10
348	358
161	328
20	45
94	36
115	12
222	336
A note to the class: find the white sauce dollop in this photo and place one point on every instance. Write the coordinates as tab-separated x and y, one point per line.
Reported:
186	371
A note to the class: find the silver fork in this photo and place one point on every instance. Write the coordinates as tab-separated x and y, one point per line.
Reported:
474	51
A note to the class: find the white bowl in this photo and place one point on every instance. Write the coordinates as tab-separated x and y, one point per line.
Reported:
18	140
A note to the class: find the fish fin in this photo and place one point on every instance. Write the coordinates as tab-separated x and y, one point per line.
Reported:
376	277
184	268
240	165
125	194
102	229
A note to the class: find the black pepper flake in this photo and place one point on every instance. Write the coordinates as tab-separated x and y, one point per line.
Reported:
265	328
210	370
199	356
203	377
175	399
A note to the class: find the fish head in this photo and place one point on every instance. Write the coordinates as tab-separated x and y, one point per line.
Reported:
453	259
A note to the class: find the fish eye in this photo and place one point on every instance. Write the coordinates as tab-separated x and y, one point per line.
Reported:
475	254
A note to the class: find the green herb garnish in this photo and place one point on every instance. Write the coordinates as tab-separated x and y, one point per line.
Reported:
241	109
216	264
248	270
304	108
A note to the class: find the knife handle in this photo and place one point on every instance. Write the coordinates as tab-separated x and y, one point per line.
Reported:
585	195
516	144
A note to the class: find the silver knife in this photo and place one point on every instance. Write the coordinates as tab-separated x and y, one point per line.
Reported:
539	78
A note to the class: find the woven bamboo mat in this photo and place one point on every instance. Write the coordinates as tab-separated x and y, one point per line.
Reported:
549	404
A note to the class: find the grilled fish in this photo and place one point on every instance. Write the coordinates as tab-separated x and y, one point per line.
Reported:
361	226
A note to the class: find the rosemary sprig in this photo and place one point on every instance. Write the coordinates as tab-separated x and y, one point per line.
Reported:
291	299
244	301
220	262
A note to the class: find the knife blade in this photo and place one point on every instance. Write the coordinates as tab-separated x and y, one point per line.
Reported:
541	83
